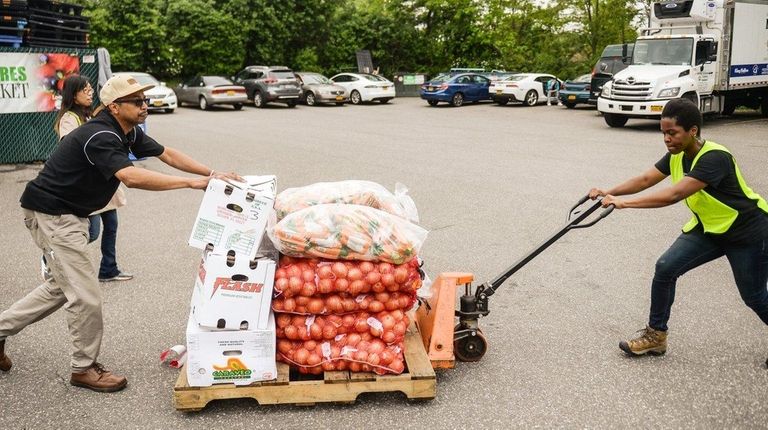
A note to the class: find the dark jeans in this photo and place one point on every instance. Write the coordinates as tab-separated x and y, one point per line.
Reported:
108	267
749	264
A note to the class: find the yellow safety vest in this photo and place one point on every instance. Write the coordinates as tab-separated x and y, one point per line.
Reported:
715	216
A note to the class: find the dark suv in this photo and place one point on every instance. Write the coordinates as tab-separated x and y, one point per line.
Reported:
264	84
610	63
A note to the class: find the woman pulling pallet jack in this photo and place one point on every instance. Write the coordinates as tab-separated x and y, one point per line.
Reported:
729	219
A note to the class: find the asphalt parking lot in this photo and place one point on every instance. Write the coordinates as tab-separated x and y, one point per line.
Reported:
490	184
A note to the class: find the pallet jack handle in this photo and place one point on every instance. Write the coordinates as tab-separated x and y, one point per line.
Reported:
575	218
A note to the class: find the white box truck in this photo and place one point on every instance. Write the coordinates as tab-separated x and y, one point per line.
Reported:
713	52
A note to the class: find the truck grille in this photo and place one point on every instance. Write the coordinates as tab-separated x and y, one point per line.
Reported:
631	90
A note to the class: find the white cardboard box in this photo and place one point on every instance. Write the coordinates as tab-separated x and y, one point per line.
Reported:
225	296
230	357
233	216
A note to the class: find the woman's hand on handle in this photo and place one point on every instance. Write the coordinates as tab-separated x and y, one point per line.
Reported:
595	193
609	200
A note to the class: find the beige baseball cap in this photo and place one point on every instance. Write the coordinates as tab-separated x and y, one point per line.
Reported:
119	86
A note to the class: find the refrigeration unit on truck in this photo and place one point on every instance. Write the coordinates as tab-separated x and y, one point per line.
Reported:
712	52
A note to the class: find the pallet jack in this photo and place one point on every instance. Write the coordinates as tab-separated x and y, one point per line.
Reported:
449	333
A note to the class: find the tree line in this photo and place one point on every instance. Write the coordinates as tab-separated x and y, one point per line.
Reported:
175	39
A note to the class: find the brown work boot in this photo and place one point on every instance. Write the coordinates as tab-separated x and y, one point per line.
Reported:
649	341
97	378
5	361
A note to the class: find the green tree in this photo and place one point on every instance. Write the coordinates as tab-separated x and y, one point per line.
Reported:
204	39
133	32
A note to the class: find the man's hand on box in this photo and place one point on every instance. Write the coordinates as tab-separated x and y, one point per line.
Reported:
228	175
199	183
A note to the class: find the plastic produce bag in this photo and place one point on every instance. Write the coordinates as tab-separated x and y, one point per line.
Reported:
364	193
311	276
389	326
351	352
347	232
328	304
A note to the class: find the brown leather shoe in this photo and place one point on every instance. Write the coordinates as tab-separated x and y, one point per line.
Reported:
5	361
97	378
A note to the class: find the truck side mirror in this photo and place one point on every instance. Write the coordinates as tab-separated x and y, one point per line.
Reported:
712	51
625	54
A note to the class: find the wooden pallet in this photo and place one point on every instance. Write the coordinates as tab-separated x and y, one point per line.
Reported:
418	382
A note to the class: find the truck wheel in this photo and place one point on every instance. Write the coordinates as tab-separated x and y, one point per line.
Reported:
729	108
692	97
614	120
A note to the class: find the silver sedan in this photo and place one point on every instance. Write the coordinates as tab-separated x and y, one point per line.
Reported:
316	88
207	91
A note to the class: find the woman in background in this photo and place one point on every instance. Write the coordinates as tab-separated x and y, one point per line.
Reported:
77	98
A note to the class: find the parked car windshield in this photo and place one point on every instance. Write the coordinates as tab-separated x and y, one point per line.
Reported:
146	80
373	77
441	78
663	51
216	80
515	78
315	79
584	78
282	74
610	65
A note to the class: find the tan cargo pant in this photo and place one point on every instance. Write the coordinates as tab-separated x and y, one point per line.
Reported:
63	240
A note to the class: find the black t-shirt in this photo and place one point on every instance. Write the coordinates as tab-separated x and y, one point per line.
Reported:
717	169
79	176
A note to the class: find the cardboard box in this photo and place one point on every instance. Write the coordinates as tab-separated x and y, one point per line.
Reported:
233	293
233	216
230	357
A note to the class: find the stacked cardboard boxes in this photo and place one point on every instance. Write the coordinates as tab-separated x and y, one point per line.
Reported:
231	329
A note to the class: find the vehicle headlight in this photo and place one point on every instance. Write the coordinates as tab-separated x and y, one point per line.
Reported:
669	92
605	91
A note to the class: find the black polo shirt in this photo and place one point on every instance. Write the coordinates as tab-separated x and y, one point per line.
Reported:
79	176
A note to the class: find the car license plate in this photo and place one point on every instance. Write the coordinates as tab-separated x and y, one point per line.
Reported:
158	103
231	93
656	108
384	88
571	97
498	91
431	89
339	98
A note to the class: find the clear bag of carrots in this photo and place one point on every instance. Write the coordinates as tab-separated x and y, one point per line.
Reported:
355	192
347	232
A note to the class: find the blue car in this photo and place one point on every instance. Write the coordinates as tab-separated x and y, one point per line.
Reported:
576	91
457	89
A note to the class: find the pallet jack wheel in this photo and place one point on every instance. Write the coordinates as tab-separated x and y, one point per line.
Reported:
470	348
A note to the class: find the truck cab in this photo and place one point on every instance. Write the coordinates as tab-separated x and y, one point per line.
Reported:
688	53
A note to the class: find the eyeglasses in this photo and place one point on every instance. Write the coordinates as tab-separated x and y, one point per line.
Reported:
136	102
